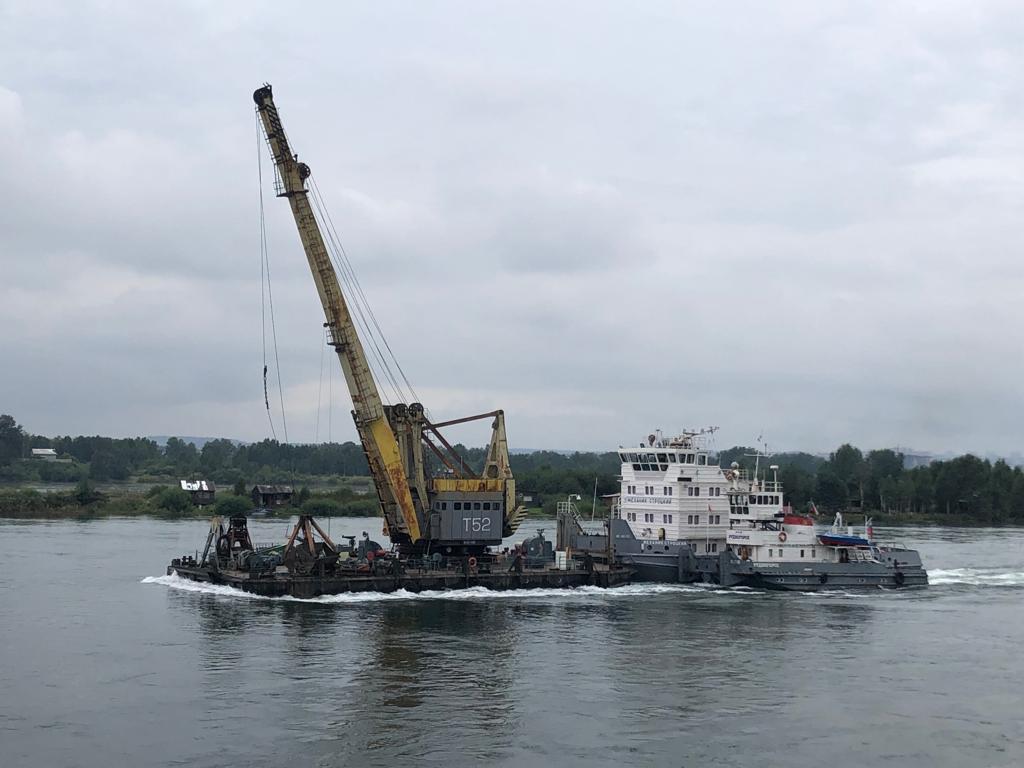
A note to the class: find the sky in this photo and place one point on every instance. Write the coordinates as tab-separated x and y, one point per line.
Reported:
800	220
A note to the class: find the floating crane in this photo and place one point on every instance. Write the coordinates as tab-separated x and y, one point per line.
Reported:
455	513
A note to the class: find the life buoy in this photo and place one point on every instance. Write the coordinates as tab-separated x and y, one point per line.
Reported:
782	536
472	562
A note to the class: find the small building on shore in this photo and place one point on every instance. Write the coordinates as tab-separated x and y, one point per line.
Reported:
44	454
202	492
269	496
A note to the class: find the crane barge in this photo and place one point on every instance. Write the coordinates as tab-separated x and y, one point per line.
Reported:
443	525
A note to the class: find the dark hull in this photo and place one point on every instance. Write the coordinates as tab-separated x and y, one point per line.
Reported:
667	568
316	586
820	577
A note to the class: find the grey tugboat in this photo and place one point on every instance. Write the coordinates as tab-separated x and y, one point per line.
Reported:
680	517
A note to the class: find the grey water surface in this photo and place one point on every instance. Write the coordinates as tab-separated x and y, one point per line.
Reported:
102	666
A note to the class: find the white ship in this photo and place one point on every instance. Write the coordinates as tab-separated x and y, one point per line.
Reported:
680	516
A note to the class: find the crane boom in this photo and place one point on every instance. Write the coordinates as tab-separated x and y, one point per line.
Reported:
375	432
453	512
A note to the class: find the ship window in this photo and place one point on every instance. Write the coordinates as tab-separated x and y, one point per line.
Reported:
487	505
753	499
672	458
801	553
663	467
662	458
702	460
636	467
476	505
444	505
632	457
458	505
696	491
670	518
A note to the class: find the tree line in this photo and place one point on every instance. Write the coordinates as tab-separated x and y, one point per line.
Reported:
967	487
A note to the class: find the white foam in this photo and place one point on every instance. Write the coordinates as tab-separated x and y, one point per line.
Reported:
978	577
470	593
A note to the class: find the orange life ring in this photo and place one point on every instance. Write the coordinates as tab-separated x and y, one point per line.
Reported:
782	535
472	562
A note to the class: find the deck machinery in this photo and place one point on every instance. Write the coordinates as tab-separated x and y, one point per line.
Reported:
454	514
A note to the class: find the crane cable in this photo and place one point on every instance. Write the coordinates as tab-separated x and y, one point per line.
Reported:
319	390
267	296
356	288
384	371
339	256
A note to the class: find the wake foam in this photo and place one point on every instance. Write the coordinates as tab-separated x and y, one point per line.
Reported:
977	577
470	593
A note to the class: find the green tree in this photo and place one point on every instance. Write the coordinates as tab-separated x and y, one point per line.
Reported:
174	501
216	455
232	506
881	465
182	455
108	465
321	507
240	489
12	440
830	491
85	494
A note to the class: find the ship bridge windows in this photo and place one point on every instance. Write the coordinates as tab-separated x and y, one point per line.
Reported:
649	462
671	458
702	460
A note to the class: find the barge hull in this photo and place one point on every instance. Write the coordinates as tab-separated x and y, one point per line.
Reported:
306	587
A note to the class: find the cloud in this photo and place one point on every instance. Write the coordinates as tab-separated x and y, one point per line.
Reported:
604	219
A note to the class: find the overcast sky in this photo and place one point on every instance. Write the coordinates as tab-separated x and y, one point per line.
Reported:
802	220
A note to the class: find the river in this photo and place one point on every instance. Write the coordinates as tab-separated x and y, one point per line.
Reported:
104	662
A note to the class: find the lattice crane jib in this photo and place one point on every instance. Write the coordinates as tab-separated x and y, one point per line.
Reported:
375	432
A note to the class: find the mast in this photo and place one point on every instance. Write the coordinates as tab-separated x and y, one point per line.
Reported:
375	432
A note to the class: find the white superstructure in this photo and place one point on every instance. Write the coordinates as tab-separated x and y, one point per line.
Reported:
673	489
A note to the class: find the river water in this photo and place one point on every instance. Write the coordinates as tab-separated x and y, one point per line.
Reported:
104	662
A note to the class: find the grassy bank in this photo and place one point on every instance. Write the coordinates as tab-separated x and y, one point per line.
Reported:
167	502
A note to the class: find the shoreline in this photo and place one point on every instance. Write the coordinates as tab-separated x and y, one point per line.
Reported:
116	511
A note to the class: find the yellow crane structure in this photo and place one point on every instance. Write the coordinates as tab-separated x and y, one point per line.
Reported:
452	512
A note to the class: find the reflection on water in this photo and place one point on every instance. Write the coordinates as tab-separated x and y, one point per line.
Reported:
110	671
